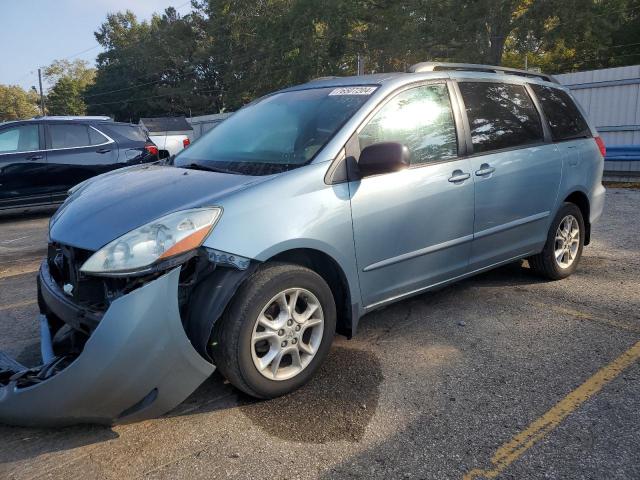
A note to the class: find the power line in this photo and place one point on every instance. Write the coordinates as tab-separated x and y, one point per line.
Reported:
81	52
134	99
130	100
249	58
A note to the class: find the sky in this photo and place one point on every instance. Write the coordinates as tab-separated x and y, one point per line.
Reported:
33	33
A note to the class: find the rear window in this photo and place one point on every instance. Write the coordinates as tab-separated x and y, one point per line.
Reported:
565	120
130	132
501	115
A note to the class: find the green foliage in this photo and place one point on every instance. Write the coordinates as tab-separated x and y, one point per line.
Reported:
17	104
226	53
70	80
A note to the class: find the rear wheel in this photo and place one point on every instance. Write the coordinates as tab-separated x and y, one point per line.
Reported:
563	248
276	332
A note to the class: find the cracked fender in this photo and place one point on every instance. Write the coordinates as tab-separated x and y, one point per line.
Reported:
137	364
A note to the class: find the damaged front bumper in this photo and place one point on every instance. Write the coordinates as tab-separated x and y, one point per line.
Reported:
138	363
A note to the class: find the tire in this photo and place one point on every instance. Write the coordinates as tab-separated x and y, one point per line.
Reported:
546	263
237	350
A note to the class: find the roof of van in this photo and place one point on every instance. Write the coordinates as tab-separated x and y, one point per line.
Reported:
400	78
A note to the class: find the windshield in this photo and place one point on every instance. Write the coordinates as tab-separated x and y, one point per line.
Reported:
277	133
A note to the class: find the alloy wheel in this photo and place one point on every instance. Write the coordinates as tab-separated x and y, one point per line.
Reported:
287	334
567	241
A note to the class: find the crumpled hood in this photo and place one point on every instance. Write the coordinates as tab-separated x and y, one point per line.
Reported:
115	203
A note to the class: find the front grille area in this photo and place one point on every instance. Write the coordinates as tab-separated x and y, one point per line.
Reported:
64	265
92	295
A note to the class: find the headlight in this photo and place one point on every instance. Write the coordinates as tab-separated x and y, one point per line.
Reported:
163	238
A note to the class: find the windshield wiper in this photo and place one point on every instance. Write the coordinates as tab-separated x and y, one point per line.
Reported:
206	168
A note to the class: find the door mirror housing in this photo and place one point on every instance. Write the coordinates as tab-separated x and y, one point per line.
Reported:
383	157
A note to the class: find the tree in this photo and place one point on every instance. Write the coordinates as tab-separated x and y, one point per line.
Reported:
65	98
17	104
226	53
70	80
78	70
149	68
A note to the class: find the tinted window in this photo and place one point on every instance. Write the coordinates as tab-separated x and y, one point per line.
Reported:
23	138
563	116
500	115
130	132
68	135
96	138
420	118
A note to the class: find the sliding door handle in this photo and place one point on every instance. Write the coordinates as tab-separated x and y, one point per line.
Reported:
485	169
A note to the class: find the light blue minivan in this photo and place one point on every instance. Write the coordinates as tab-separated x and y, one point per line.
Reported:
302	212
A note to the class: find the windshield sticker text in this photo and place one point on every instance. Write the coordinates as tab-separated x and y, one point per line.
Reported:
353	91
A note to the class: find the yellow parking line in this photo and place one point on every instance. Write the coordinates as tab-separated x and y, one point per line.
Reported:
17	305
512	450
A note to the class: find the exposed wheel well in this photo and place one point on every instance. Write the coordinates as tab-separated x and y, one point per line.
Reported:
582	202
330	271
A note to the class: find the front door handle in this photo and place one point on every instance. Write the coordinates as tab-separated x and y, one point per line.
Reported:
458	176
35	157
485	169
103	150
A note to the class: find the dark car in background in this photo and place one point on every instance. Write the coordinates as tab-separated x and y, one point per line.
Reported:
42	158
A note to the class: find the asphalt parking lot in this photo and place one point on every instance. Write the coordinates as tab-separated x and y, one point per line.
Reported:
500	376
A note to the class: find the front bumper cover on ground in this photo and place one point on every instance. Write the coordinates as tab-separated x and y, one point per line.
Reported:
137	364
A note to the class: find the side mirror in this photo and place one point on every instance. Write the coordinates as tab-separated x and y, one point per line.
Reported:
384	157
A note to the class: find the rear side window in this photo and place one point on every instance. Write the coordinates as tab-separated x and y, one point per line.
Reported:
419	118
23	138
564	118
501	115
65	135
130	132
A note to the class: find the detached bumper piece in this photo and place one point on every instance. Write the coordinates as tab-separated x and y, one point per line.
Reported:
138	363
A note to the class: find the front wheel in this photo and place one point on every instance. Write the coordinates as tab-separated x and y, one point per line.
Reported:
276	332
563	248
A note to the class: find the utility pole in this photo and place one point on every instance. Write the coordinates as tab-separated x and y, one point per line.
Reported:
41	96
526	60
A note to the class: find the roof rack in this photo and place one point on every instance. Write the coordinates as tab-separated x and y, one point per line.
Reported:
475	67
73	117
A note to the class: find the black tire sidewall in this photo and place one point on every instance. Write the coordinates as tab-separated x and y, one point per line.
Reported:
252	303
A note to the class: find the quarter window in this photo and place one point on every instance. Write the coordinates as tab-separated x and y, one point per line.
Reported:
501	115
565	120
419	118
23	138
96	137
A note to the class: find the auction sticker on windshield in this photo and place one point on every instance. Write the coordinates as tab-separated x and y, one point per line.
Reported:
353	91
